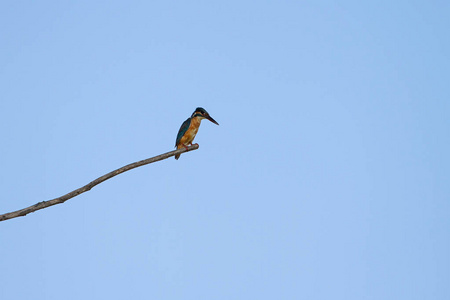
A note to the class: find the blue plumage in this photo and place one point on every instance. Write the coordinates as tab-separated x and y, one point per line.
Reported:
184	127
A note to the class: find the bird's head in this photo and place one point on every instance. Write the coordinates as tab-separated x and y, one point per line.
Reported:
203	114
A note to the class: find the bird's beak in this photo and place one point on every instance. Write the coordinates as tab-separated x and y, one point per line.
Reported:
212	120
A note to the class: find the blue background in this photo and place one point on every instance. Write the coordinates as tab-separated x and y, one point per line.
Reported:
328	177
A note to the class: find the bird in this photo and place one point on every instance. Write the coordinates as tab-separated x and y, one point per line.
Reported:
189	128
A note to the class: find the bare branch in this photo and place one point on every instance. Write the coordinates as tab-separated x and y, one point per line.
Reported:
90	185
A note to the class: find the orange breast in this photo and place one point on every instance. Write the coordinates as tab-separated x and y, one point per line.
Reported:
189	136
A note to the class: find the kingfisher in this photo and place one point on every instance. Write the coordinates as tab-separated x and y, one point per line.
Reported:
189	128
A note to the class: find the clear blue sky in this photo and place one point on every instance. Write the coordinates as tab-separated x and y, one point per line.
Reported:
328	177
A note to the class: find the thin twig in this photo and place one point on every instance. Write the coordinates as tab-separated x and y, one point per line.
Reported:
90	185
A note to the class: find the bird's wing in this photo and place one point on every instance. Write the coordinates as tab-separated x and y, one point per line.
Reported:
184	127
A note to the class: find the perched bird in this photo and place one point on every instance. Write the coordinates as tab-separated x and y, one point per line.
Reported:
189	128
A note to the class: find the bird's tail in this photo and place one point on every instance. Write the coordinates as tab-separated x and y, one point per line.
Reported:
178	155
